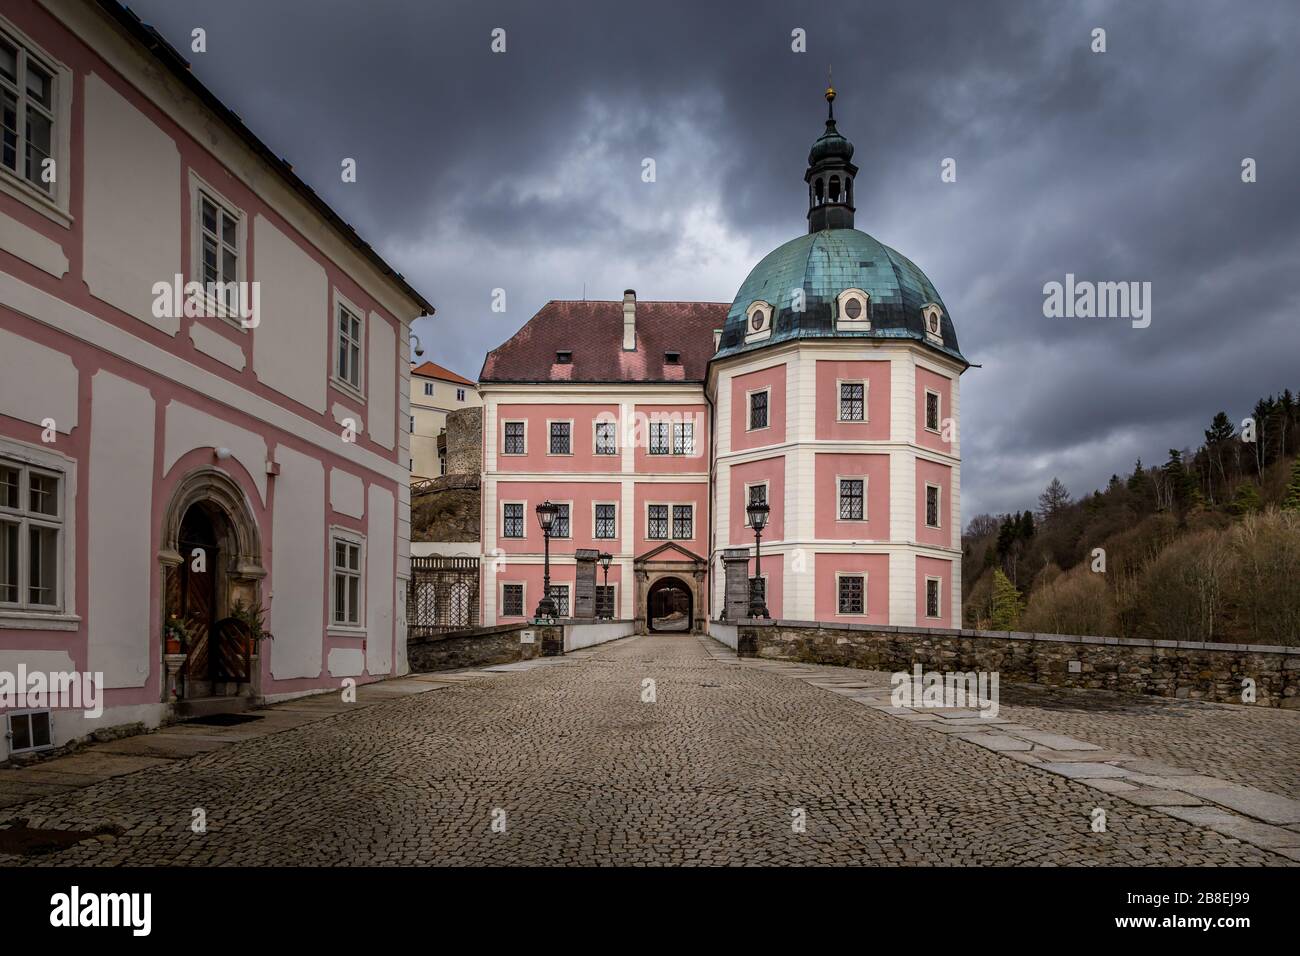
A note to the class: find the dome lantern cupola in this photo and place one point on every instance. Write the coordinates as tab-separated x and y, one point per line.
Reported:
830	176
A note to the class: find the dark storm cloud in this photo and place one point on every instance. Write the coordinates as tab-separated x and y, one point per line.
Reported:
522	171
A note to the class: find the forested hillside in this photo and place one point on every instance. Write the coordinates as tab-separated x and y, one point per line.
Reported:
1204	547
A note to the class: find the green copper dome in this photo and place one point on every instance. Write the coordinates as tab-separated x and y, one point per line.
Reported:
823	264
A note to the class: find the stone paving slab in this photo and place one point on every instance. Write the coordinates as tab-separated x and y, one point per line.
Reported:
996	741
162	744
1236	826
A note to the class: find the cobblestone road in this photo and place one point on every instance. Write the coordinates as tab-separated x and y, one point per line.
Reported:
586	772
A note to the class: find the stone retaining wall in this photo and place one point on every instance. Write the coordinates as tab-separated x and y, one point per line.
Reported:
477	648
1163	668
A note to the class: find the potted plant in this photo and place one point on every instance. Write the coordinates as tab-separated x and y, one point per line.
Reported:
253	617
175	637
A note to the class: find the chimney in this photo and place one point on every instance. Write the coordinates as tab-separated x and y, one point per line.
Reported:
629	320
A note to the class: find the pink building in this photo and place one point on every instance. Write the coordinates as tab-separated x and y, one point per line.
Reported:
828	389
163	471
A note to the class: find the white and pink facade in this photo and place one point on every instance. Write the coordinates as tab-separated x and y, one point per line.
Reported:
829	388
158	469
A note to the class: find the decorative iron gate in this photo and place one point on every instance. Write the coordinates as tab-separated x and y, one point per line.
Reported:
442	595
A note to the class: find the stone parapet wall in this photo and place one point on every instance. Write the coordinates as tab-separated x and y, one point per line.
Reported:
1164	668
477	648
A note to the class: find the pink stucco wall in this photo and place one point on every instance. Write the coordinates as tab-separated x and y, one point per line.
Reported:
580	495
774	570
933	473
925	379
828	468
876	568
876	375
935	567
697	493
741	385
648	464
771	470
537	438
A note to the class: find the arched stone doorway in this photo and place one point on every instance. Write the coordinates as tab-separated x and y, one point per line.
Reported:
669	605
670	568
211	562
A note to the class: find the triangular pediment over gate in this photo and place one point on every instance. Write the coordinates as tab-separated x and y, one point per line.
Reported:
669	551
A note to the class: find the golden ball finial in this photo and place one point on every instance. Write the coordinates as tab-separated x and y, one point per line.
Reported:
830	94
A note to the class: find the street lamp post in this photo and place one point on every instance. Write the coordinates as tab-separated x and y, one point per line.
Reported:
605	559
758	512
546	513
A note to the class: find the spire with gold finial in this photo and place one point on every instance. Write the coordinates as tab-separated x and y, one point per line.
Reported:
830	174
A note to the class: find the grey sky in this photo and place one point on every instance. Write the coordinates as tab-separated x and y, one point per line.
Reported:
522	171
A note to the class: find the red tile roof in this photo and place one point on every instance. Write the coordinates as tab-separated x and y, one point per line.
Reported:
433	370
593	332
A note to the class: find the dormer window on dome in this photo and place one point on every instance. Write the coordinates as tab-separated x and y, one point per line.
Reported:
933	316
758	322
853	311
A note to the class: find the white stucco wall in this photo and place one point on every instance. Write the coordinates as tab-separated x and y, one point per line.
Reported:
120	560
380	568
298	566
37	383
381	376
132	215
346	662
347	493
291	343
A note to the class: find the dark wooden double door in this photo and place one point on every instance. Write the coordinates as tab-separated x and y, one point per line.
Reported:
219	648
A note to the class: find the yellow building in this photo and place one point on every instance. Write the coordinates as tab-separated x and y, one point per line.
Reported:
435	391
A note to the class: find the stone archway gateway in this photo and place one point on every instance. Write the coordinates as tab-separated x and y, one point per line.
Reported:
210	559
668	605
670	590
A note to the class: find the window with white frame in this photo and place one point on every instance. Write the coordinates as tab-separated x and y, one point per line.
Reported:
932	410
560	524
561	438
219	250
852	596
28	111
683	522
755	494
606	521
512	519
853	312
460	395
606	438
659	432
853	404
348	346
605	600
31	536
932	586
932	506
758	409
512	600
684	438
657	522
345	582
560	595
30	730
852	504
514	440
428	388
442	464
